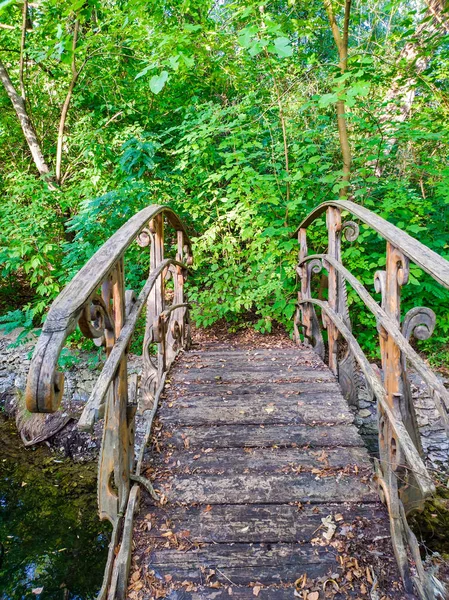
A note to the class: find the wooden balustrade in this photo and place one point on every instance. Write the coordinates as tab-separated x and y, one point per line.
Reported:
97	302
403	479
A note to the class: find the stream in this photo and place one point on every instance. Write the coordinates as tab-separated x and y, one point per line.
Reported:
52	544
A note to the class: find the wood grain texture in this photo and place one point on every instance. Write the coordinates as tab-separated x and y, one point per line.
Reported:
269	488
244	373
261	460
243	563
238	436
309	409
232	592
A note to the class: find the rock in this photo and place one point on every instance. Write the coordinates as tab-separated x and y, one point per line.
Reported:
58	430
364	404
364	413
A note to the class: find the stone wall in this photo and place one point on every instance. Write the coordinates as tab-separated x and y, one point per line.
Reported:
79	381
433	436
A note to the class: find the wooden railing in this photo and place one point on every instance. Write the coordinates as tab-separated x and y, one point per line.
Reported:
97	302
404	481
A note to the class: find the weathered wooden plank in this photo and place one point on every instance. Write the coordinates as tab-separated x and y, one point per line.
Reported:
217	350
244	563
256	360
241	436
260	460
286	389
251	374
321	408
268	523
269	488
231	592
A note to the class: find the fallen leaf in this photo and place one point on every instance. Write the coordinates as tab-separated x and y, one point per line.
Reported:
256	590
368	576
330	526
313	596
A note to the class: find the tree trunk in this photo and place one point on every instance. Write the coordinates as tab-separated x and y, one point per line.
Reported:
26	124
341	41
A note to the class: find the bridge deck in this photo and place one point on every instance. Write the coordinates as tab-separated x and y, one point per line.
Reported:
252	449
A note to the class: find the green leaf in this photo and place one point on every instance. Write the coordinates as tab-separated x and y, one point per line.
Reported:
282	47
6	3
144	72
77	5
188	60
157	82
327	99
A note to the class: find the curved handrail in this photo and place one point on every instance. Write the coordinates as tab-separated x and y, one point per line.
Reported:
96	301
411	454
70	301
425	258
392	329
45	384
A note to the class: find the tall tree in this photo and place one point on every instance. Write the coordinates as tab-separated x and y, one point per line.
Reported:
341	41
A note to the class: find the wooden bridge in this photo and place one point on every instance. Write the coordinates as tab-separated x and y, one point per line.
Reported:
255	481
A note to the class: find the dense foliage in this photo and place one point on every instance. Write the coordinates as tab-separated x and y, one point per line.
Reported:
225	111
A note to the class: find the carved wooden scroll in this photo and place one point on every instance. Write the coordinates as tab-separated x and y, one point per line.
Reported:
306	322
403	479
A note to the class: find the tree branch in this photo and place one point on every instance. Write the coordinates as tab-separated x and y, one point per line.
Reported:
346	30
65	106
22	48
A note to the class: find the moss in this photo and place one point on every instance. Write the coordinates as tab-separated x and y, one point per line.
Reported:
431	526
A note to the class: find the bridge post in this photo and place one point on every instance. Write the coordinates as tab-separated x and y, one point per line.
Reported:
333	221
302	319
389	283
341	364
117	434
